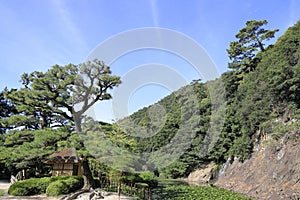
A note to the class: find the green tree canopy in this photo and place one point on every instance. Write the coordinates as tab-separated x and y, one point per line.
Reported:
6	110
64	91
250	41
68	92
28	149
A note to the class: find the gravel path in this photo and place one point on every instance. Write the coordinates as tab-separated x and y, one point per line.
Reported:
108	196
44	197
36	197
4	184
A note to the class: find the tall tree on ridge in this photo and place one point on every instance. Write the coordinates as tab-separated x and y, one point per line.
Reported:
250	41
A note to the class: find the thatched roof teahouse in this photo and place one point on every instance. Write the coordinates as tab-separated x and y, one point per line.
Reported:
65	163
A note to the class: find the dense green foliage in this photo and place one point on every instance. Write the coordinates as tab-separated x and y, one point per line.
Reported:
270	89
186	112
59	96
2	192
35	186
7	109
111	145
62	93
250	40
197	124
64	186
195	193
29	149
29	187
148	178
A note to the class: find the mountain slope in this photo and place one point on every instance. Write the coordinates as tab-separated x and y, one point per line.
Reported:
273	171
218	130
170	133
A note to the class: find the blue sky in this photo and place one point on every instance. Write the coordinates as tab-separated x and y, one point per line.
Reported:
35	34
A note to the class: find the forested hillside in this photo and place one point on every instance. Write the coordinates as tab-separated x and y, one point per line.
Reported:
266	88
203	122
268	116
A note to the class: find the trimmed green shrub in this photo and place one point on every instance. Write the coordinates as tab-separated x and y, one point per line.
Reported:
35	186
29	187
66	186
56	188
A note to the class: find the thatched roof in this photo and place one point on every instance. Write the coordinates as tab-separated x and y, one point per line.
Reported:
67	155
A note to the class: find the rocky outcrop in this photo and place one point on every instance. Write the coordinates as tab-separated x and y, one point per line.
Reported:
273	171
201	175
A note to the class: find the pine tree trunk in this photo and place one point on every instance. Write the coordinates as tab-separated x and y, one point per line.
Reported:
87	174
86	171
77	122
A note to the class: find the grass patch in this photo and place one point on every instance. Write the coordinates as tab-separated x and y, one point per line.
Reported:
2	192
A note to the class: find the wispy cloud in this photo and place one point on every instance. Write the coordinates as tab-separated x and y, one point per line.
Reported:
155	13
69	28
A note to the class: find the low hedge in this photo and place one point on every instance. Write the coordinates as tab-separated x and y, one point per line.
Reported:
59	187
35	186
29	187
